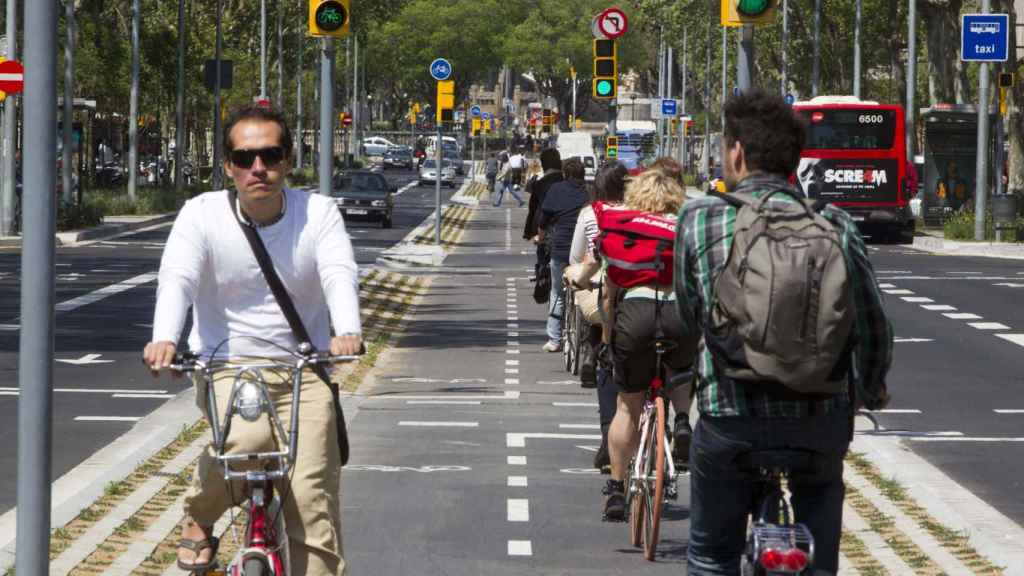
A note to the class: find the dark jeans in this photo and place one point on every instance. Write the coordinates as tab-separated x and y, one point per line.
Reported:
721	496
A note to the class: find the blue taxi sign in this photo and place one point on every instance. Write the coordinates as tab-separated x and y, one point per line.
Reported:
984	37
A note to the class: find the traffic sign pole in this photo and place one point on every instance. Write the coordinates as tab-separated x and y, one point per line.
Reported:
10	124
981	173
745	59
326	164
35	357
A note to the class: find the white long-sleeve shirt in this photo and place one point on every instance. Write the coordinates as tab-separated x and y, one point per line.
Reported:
208	264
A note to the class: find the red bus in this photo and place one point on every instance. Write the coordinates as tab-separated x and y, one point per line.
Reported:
855	158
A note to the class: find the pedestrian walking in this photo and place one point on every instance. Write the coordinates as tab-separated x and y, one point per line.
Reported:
491	171
508	185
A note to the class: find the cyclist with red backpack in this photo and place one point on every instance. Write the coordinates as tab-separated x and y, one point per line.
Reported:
795	337
636	246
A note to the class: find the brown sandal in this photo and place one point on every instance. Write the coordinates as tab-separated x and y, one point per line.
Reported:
197	547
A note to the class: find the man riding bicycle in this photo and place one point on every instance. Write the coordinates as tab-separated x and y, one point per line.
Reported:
742	410
207	265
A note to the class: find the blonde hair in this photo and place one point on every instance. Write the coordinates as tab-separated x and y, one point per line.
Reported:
654	191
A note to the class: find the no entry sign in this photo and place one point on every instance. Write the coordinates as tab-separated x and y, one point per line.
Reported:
12	76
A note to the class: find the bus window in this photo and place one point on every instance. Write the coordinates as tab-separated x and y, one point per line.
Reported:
850	129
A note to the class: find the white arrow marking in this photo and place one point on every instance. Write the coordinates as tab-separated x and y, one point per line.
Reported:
518	440
912	340
87	359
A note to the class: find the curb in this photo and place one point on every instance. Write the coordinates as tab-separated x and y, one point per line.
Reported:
943	247
409	253
83	484
96	232
990	532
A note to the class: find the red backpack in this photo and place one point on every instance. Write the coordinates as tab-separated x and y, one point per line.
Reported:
636	245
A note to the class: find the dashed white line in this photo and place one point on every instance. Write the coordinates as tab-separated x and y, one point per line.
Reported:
1008	411
512	326
518	440
1017	339
579	426
575	404
883	286
512	343
520	548
937	307
107	418
896	411
511	362
512	381
512	351
439	424
516	460
962	316
511	371
1011	439
897	291
517	481
513	334
988	325
155	396
446	402
518	510
917	299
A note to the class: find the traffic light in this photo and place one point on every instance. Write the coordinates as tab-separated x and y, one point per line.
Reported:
740	12
1006	80
611	147
329	18
606	70
445	100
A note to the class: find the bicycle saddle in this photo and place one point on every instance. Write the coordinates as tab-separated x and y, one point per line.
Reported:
792	461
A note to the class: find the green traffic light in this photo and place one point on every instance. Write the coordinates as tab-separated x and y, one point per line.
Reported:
752	7
604	87
331	16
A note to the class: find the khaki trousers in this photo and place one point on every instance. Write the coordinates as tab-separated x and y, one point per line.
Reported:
312	508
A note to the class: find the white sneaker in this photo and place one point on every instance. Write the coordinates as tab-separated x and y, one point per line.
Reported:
552	346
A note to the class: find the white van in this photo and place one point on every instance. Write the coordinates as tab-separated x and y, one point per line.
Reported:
448	142
578	145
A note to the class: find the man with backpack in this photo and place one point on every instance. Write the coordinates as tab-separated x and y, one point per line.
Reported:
795	337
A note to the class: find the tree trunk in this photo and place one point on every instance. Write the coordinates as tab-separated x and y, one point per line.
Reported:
947	74
1015	120
897	73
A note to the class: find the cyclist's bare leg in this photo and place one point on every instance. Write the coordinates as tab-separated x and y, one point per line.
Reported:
623	435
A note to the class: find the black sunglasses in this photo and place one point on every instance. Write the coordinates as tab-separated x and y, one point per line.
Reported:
244	158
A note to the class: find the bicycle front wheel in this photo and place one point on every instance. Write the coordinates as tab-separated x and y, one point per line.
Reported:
655	495
255	567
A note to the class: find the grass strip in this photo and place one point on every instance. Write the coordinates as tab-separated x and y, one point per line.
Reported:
955	542
883	524
857	553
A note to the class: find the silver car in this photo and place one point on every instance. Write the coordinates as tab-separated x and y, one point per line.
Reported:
428	173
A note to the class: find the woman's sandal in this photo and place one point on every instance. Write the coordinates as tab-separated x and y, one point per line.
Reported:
211	543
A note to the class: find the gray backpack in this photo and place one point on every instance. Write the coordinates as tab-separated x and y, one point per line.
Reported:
782	310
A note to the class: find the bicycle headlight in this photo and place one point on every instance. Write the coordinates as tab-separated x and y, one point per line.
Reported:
249	401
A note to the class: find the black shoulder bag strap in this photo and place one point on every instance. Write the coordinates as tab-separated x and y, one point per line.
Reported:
292	316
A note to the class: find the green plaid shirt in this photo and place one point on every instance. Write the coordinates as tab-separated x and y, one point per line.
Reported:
704	237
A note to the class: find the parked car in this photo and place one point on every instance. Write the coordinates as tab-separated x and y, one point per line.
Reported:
428	173
377	145
398	158
362	194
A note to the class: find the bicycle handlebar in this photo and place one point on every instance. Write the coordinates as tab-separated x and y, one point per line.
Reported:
190	362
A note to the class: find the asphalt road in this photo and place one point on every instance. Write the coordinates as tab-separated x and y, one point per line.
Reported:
100	397
474	457
966	371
